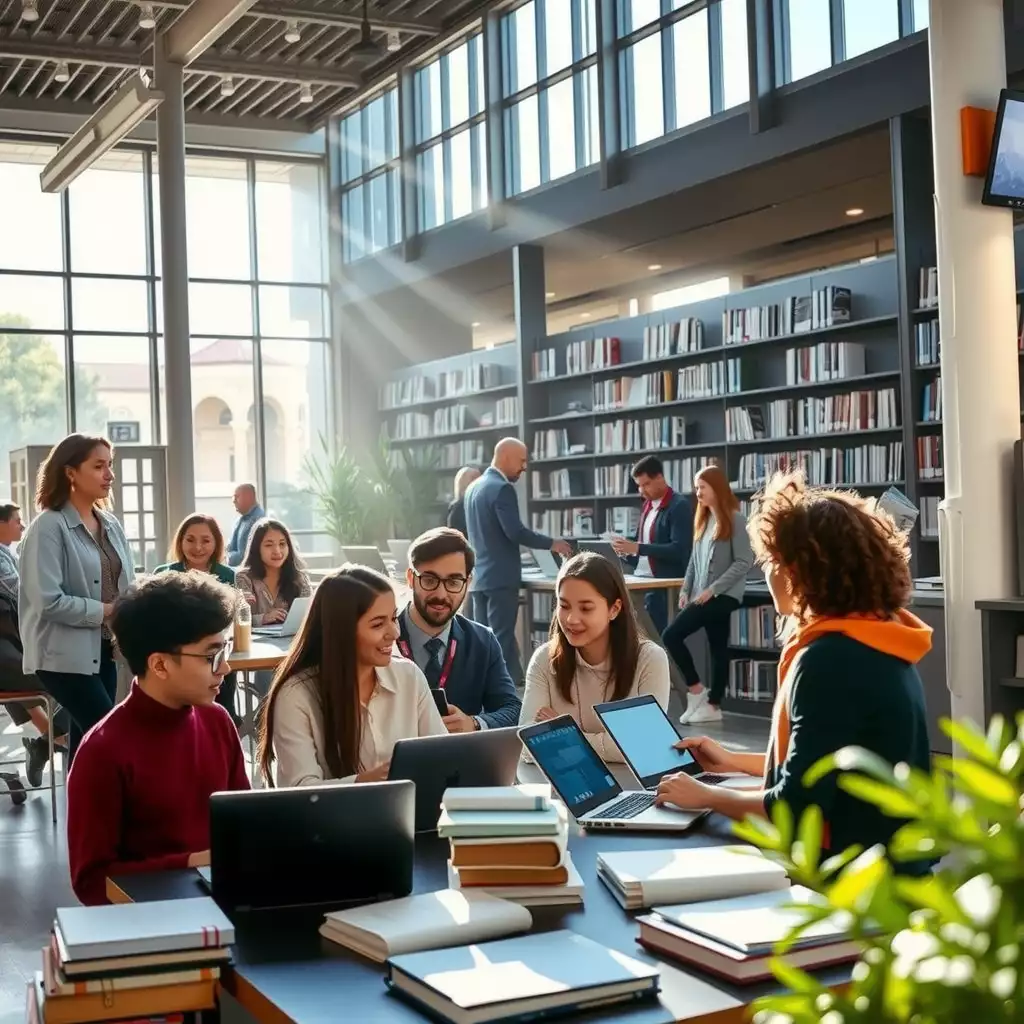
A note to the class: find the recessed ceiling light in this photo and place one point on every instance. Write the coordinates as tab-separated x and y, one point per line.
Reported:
475	323
654	266
854	211
63	73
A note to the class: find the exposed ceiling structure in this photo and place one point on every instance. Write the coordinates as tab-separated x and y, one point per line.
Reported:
283	61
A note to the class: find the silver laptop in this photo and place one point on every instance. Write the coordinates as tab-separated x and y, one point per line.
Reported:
368	556
603	548
646	736
587	786
547	563
400	552
290	626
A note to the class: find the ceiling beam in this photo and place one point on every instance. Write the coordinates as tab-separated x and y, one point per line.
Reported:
200	26
210	63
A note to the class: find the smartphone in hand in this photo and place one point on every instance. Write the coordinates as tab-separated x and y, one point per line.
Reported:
440	700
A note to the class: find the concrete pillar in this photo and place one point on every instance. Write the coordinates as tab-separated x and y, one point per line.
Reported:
170	153
977	324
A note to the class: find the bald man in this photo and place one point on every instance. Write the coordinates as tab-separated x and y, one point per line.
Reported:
496	533
250	513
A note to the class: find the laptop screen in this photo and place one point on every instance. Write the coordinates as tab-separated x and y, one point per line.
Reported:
563	753
644	734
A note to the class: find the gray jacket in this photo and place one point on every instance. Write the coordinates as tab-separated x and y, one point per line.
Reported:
724	569
60	613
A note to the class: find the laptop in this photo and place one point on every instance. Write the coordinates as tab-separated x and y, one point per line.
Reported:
290	626
368	556
400	552
547	563
587	786
601	547
645	735
436	763
323	846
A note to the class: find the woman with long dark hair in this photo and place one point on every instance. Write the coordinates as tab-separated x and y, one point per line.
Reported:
595	652
713	589
339	703
271	575
75	561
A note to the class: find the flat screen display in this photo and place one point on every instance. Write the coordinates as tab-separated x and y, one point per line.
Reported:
646	738
569	761
1004	185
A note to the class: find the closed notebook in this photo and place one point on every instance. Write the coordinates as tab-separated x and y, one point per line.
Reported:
456	824
533	895
126	929
425	921
524	797
530	976
510	851
641	878
115	966
121	1004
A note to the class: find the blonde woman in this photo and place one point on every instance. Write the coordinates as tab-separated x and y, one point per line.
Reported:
457	509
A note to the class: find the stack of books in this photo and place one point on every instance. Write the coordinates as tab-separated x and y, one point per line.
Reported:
131	960
735	938
511	842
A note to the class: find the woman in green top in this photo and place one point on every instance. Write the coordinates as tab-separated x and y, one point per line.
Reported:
199	545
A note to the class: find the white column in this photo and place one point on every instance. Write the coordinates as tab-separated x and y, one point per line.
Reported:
977	323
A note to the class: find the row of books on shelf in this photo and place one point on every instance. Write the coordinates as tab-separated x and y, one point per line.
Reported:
673	339
554	442
828	360
753	679
564	522
929	519
542	605
754	627
824	307
828	467
462	453
615	480
448	384
702	380
927	287
622	519
451	419
640	435
929	457
931	400
557	483
585	356
799	417
926	342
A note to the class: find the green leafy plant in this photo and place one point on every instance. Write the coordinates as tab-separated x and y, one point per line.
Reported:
353	502
409	477
939	949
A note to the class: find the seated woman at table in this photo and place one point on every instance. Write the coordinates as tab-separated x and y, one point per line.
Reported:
838	570
339	703
199	545
271	575
595	653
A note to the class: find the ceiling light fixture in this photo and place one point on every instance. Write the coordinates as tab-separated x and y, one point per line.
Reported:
147	17
63	73
29	10
394	41
549	295
306	93
227	86
654	266
475	323
855	211
367	48
584	316
291	33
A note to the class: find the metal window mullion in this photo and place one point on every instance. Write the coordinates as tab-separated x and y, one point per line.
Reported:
905	12
257	345
668	81
837	23
580	123
627	97
783	48
446	178
69	323
513	168
154	346
409	188
716	57
543	136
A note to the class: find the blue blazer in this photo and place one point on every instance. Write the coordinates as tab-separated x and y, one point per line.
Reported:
671	541
496	532
479	683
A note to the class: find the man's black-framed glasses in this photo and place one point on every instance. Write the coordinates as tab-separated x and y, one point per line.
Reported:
218	661
431	581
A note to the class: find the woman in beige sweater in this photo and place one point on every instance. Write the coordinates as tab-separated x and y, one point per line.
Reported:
595	653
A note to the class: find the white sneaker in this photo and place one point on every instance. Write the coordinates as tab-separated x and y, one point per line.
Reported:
705	713
694	702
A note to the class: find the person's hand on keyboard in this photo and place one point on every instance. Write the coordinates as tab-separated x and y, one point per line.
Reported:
682	791
711	756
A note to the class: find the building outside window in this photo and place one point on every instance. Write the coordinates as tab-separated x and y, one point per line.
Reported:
549	85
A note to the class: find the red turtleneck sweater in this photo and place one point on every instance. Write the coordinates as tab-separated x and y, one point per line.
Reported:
139	789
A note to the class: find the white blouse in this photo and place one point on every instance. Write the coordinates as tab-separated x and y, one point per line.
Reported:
400	707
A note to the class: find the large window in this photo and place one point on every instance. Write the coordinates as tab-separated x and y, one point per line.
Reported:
549	84
679	64
370	167
451	151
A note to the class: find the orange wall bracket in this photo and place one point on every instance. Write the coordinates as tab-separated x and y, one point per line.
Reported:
977	128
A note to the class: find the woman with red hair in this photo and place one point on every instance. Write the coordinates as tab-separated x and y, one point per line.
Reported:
713	589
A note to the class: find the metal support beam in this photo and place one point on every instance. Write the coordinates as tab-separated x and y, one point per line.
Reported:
409	219
200	26
761	64
612	164
170	151
494	136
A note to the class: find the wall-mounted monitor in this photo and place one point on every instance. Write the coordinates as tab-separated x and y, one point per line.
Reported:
1004	183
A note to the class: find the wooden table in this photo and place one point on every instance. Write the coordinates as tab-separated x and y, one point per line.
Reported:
264	653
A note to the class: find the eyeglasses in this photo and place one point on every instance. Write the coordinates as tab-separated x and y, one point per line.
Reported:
218	661
431	581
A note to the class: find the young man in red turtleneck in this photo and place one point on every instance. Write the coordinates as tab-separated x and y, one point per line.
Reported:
139	789
663	539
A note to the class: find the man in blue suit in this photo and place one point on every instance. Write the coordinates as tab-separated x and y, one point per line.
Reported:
663	539
496	533
457	655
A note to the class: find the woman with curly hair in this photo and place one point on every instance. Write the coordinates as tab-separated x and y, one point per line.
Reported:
838	571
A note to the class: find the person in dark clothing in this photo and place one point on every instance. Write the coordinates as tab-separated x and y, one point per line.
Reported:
838	569
456	517
663	539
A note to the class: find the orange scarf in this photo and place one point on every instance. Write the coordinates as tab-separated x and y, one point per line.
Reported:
905	636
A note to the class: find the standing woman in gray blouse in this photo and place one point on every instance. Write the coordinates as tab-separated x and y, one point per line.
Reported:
75	560
715	580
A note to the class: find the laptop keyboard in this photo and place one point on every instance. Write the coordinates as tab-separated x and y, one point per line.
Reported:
710	779
630	806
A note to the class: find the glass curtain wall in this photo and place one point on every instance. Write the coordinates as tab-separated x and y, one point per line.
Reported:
80	289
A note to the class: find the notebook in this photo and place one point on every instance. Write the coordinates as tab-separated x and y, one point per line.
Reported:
472	824
641	878
571	892
530	976
524	797
426	921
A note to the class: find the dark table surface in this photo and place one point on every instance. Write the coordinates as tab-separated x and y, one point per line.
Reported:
283	969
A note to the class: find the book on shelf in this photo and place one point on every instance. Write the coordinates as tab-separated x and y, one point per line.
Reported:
828	360
745	423
396	393
931	400
585	356
542	605
450	419
754	627
531	977
928	287
506	412
929	457
927	347
672	339
929	521
753	679
462	453
733	384
557	483
424	921
550	444
640	435
564	522
622	519
810	416
701	380
825	467
824	307
543	365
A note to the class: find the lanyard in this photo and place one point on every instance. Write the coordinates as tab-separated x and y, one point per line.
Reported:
403	646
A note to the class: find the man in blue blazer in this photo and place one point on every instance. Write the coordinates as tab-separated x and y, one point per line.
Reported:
664	538
496	533
457	655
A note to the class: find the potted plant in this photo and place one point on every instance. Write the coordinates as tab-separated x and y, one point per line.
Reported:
355	505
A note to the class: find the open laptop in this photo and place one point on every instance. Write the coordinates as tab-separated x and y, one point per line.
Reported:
601	547
547	563
436	763
328	846
400	552
587	786
646	737
366	555
292	621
